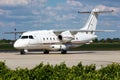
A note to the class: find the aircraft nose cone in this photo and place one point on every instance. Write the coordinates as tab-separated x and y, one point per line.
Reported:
16	45
20	44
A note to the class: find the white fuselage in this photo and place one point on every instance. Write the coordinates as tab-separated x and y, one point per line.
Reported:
48	40
59	40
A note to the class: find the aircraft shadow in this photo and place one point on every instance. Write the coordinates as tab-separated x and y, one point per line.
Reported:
59	53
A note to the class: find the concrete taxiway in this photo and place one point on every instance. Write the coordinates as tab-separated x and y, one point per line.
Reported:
14	60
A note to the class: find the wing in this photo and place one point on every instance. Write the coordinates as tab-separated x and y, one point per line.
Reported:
57	32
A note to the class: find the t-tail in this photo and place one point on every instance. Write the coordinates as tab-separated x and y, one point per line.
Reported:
90	25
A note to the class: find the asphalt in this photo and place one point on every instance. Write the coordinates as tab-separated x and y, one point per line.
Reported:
100	58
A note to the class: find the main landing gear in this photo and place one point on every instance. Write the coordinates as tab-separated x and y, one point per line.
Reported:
63	51
46	52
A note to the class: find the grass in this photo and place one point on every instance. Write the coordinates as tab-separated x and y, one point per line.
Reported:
6	47
98	46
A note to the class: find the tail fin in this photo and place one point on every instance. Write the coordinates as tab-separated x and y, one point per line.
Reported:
92	21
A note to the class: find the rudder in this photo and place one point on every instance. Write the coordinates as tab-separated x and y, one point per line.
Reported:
92	21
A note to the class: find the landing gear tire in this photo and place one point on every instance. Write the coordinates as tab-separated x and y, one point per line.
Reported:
22	52
63	51
46	52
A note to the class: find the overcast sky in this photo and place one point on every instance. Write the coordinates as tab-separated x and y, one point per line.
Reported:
25	15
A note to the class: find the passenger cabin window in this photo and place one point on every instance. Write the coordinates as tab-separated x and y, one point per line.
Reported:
76	38
43	38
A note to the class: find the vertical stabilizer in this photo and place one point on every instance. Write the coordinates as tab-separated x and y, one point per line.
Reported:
92	21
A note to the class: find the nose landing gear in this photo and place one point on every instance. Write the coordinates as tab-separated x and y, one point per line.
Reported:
23	52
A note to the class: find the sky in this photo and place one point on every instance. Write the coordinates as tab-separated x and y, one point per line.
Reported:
28	15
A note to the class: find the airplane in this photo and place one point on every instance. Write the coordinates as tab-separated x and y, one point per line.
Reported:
60	40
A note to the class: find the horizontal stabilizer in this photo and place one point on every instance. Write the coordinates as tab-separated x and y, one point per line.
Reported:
96	11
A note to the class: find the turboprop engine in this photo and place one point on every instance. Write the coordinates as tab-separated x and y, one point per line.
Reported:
65	37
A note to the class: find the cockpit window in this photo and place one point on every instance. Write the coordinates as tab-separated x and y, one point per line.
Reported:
24	37
31	37
27	37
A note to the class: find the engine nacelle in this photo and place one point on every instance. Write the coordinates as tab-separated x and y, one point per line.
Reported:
65	37
58	47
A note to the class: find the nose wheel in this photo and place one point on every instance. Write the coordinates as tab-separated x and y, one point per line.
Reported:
23	52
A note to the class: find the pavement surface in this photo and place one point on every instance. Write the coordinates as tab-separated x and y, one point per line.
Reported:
14	60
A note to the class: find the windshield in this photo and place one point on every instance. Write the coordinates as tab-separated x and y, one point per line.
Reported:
24	37
27	37
31	37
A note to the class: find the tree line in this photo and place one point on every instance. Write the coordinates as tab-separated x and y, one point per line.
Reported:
108	40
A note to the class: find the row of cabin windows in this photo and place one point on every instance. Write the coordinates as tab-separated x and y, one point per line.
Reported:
53	38
48	38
